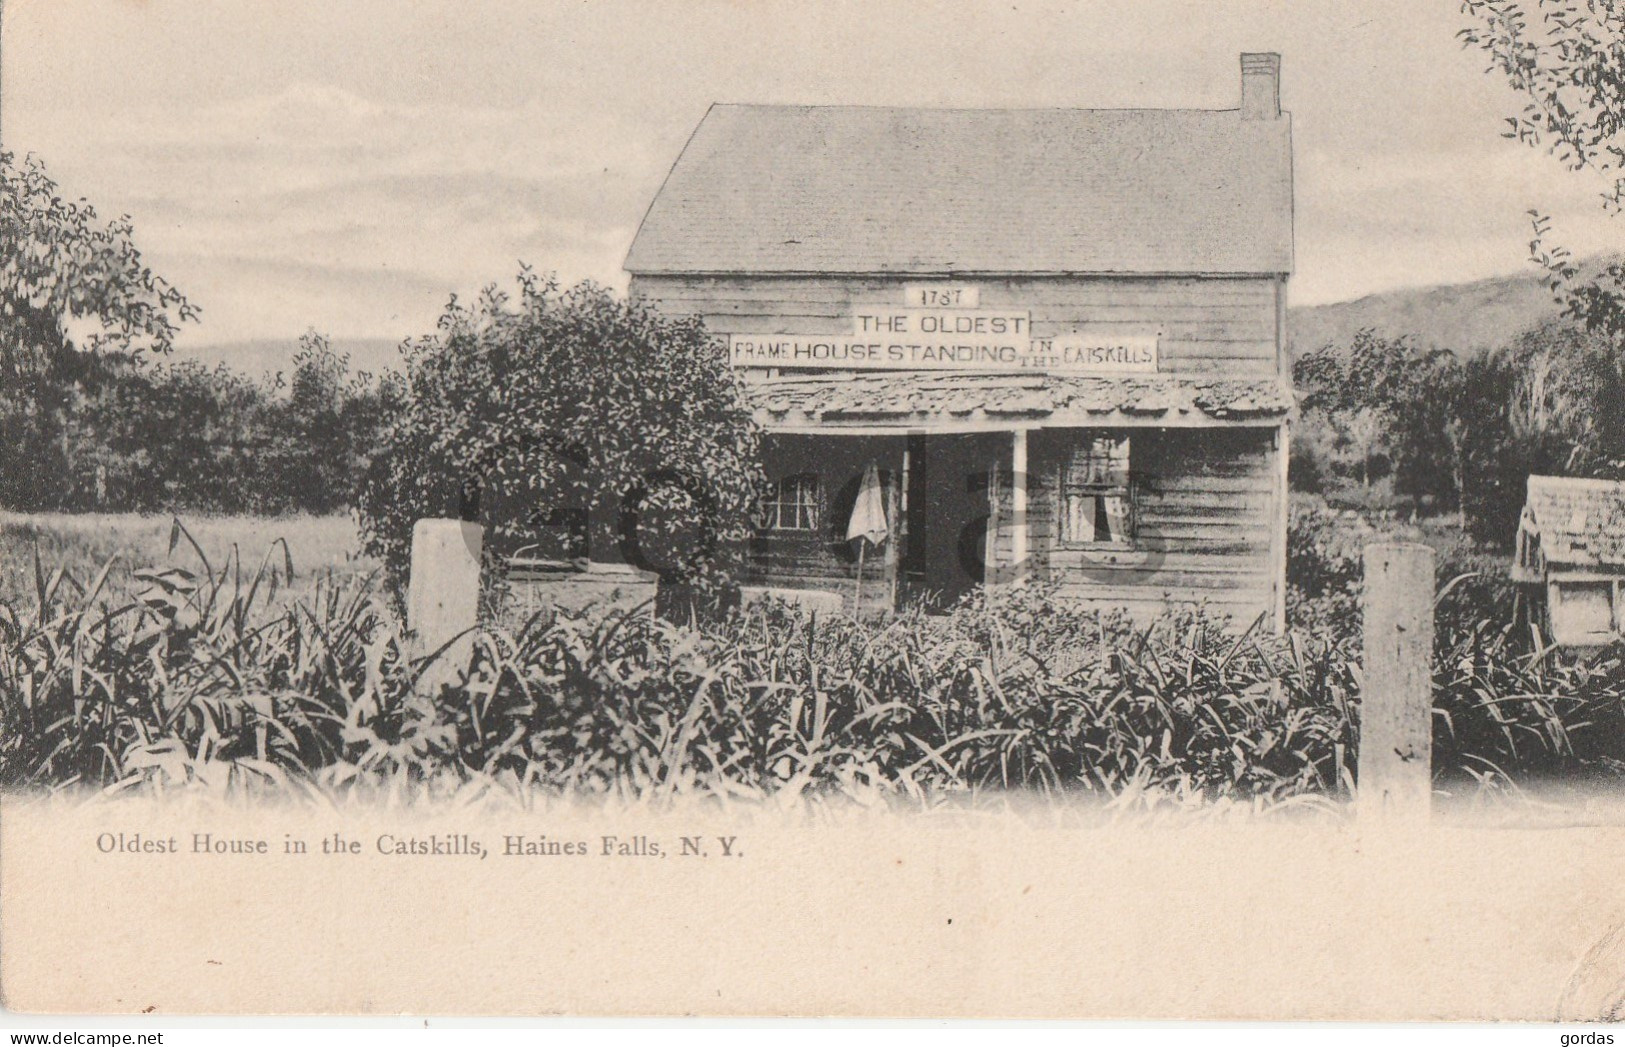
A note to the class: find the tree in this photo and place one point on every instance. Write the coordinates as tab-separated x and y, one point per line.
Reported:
1569	397
1567	61
571	423
1551	401
63	269
1487	460
1376	401
93	415
321	437
61	263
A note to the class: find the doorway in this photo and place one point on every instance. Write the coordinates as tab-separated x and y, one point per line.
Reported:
949	508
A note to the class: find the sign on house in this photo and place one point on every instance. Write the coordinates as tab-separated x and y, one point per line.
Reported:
964	339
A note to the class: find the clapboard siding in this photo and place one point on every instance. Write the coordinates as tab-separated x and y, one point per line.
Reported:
1208	324
1205	508
1207	504
1025	291
727	317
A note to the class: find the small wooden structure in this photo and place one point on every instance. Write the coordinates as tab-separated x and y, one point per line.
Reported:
1571	553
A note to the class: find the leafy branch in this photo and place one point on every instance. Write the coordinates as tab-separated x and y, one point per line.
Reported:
1566	59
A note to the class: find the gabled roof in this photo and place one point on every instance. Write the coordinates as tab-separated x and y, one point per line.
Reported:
856	189
1580	523
910	398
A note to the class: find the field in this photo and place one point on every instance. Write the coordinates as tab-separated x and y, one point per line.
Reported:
81	544
328	546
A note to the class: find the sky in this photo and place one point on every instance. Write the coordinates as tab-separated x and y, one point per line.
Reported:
346	165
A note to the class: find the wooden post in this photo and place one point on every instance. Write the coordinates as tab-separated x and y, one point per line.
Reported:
894	537
443	596
1281	524
1396	705
990	536
857	588
1018	504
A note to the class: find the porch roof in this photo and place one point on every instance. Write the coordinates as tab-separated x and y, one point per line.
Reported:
904	399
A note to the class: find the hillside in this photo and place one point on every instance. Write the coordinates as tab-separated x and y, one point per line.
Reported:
1464	317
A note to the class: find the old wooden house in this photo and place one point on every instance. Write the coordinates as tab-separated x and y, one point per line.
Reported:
1571	555
1053	338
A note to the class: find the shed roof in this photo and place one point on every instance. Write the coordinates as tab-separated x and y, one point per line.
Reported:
1581	523
908	398
859	189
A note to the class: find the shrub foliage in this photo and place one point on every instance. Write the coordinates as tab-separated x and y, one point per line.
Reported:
579	423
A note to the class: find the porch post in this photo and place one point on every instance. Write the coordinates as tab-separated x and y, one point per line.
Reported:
1018	504
1281	524
897	506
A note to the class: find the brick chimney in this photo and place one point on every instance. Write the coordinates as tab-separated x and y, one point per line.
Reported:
1260	86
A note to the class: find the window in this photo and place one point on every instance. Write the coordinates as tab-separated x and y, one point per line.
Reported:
1582	612
1095	493
1528	545
791	504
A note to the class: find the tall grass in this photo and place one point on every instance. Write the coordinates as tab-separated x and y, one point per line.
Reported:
774	699
1507	706
178	675
201	676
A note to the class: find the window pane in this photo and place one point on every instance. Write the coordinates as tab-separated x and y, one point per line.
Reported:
791	504
1094	496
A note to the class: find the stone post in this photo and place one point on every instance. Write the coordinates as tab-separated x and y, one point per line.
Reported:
443	595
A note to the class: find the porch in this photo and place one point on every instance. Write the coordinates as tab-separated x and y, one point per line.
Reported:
1127	492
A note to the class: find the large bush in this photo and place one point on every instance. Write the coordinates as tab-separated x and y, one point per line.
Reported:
580	424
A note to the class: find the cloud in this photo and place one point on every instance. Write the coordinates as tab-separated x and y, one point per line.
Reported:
358	209
316	194
1368	222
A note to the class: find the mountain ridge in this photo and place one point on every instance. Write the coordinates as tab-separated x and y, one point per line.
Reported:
1466	317
261	356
